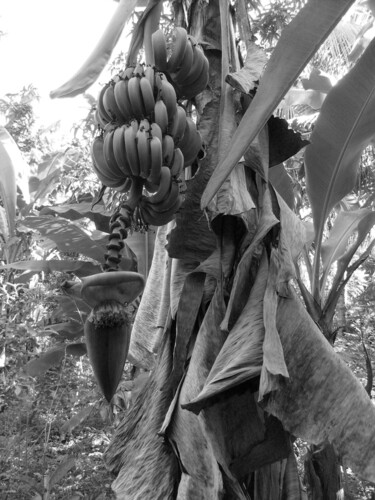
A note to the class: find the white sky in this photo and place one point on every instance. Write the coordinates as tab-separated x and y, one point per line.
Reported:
46	42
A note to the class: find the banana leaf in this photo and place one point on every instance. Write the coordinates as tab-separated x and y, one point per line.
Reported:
322	400
95	63
9	156
297	44
345	126
282	182
147	330
79	268
346	223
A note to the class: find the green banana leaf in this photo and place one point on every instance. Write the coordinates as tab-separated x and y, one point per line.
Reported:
79	268
75	211
95	63
346	223
282	182
69	237
297	44
345	126
10	156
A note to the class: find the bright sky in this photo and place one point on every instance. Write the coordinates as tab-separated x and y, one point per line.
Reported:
46	42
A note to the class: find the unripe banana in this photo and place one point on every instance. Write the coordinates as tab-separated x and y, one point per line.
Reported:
168	201
185	64
156	131
100	166
110	105
177	127
191	143
153	179
196	87
147	96
122	99
135	193
189	129
124	188
100	106
153	218
197	66
150	75
161	115
119	150
99	120
164	186
168	95
135	96
159	46
178	163
168	149
109	155
144	152
132	150
179	47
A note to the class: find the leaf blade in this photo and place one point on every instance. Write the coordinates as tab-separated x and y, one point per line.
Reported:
95	63
344	127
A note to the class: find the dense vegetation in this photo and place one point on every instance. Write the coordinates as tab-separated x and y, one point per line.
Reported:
55	424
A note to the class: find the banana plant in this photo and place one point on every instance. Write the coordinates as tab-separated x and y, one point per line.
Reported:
236	358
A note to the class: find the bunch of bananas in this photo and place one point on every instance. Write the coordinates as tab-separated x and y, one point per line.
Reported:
187	66
146	138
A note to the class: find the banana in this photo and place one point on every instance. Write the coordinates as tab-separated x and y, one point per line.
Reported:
155	131
164	186
159	47
144	152
190	126
103	113
100	166
156	151
168	95
122	99
168	201
197	66
161	115
119	150
191	142
168	149
132	150
109	155
151	218
135	193
124	188
200	83
147	96
185	64
135	96
179	47
110	105
177	127
99	120
178	163
150	75
154	218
